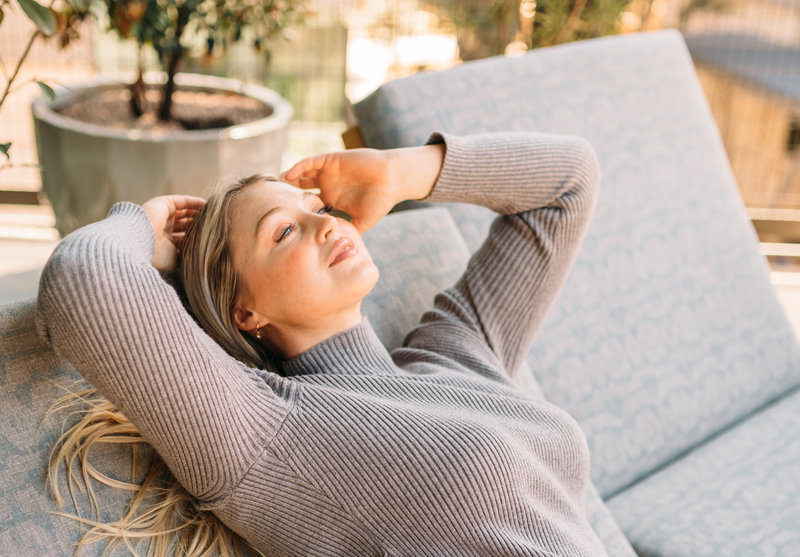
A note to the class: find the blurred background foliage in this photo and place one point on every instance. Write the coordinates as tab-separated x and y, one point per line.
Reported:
171	27
327	53
487	28
61	23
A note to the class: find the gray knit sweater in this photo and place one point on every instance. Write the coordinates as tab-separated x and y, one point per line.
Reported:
427	451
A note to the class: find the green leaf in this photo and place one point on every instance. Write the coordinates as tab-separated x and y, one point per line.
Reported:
4	147
80	4
47	91
39	15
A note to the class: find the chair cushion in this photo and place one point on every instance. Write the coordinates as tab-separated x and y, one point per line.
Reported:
667	329
736	495
418	253
32	377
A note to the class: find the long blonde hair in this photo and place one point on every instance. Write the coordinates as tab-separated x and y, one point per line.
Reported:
208	279
162	514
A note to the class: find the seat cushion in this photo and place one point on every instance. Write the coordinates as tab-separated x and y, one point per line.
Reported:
737	495
32	377
418	253
667	329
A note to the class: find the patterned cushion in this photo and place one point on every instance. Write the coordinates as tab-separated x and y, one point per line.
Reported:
32	377
418	253
737	495
667	329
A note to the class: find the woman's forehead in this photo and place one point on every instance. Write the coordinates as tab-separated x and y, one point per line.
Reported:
274	187
268	193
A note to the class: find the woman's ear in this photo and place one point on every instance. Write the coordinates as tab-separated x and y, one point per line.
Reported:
246	320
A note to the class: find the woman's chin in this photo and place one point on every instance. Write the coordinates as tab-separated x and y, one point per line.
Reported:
365	274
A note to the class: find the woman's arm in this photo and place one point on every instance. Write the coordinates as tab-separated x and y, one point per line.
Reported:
544	186
106	309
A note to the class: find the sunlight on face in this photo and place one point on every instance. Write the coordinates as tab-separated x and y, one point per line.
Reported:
301	268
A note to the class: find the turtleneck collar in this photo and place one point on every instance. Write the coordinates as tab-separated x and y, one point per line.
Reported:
356	351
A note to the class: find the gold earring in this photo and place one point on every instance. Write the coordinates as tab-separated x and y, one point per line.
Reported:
258	333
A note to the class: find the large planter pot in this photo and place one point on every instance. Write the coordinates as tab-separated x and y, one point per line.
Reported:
87	168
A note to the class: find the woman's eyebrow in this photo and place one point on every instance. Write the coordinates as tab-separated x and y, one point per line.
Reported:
264	218
266	215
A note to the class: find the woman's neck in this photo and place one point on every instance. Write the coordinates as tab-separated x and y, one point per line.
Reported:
291	340
356	351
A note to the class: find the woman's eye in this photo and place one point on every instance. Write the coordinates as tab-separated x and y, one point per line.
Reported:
286	232
325	209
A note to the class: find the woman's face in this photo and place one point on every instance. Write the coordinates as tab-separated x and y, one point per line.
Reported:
303	272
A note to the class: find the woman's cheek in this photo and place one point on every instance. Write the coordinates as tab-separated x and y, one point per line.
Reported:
297	272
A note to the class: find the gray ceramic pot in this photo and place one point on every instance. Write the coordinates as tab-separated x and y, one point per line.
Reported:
87	168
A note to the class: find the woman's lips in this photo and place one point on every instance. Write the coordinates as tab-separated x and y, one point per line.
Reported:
342	249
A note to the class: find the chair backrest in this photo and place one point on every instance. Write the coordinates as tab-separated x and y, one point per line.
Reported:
667	329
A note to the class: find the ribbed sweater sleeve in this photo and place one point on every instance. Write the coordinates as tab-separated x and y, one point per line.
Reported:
106	309
545	188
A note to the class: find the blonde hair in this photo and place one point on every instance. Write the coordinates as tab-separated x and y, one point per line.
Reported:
161	512
210	287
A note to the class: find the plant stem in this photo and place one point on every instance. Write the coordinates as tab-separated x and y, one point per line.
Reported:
19	65
172	68
3	67
138	89
22	58
572	21
169	88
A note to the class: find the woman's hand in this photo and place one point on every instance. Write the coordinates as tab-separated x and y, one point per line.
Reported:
367	183
170	215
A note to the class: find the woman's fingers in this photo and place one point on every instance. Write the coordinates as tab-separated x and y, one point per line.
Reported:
305	172
177	202
182	202
180	225
177	239
171	205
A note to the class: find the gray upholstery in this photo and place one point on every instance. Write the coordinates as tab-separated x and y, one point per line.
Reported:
667	330
32	377
410	276
738	494
416	260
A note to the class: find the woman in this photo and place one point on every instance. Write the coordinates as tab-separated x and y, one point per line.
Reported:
314	440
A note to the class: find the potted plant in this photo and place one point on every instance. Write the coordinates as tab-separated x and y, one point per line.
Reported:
48	22
107	141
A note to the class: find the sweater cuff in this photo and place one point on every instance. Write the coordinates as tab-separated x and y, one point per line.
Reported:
458	169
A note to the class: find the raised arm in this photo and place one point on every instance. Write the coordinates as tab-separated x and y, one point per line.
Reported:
545	188
106	309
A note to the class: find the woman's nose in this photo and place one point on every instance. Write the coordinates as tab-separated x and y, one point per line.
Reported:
326	224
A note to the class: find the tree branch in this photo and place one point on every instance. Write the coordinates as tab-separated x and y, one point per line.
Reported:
19	65
3	68
572	22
